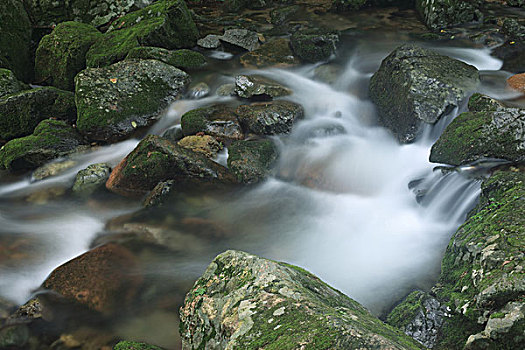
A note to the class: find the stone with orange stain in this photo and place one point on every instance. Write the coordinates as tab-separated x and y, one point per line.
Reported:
517	82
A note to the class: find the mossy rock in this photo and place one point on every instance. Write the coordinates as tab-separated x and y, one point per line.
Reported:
275	53
91	179
167	24
183	59
313	46
219	121
156	159
51	139
133	345
9	84
438	14
497	132
270	118
114	101
15	40
62	54
415	85
203	144
246	302
22	111
251	161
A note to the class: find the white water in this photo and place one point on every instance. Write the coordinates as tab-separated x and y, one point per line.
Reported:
339	204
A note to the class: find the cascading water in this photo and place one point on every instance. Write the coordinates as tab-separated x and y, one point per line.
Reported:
339	205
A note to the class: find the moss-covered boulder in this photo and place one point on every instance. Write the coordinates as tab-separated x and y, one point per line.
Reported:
91	179
133	345
183	59
438	14
62	54
114	101
219	121
257	87
103	279
416	85
15	39
314	46
156	159
51	139
166	23
204	144
246	302
9	84
275	53
251	161
488	131
21	112
270	118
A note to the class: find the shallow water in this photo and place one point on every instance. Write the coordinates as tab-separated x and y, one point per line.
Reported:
339	203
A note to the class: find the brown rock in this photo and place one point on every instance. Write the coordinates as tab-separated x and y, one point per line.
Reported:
204	144
517	82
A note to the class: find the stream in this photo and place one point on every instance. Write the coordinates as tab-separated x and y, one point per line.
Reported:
347	202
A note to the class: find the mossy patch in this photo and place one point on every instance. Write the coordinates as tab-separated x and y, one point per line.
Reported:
184	59
133	345
251	161
9	84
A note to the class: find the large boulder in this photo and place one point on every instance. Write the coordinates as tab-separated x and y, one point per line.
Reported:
489	130
156	159
166	23
15	39
103	279
438	14
21	112
51	139
246	302
9	84
270	118
113	101
251	161
416	85
183	59
62	54
219	121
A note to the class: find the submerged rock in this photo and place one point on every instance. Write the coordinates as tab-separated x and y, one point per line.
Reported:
52	169
254	86
91	179
251	161
219	121
22	111
156	159
275	53
62	54
314	46
114	101
488	131
183	59
9	84
270	118
51	139
438	14
246	302
415	86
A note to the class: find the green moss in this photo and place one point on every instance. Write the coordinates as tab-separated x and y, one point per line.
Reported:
9	84
251	161
194	121
183	59
497	315
404	313
482	103
313	46
132	345
62	54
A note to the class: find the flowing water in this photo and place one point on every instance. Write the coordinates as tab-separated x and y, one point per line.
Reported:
369	216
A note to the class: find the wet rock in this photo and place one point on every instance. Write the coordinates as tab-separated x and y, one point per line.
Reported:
9	84
173	134
328	73
166	23
52	169
275	53
156	159
204	144
14	336
210	41
348	5
513	29
251	161
114	101
200	90
133	345
246	302
254	86
62	54
21	112
91	179
241	38
513	56
498	132
51	139
415	86
183	59
46	195
5	309
517	82
314	46
270	118
516	3
15	39
226	90
420	316
103	279
438	14
159	194
282	15
218	121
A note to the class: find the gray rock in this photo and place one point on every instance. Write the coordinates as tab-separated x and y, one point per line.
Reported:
218	121
226	90
246	302
253	86
242	38
438	14
91	179
113	101
210	41
9	84
314	46
270	118
416	85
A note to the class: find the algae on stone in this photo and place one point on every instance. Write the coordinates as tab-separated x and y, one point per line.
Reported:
183	59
